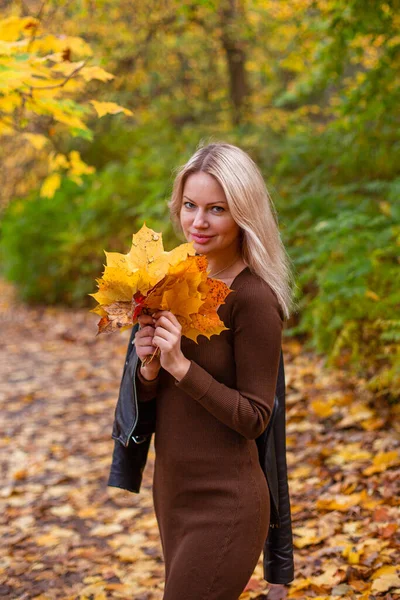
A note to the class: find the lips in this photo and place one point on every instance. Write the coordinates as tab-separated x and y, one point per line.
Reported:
201	239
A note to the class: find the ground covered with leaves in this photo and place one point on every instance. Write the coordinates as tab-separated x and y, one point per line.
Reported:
65	534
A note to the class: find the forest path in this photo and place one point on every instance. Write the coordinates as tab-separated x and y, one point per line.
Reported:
66	535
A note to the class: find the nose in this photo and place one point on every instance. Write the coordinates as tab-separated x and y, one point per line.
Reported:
199	221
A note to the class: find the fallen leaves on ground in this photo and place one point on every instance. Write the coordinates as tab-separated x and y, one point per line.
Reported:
66	535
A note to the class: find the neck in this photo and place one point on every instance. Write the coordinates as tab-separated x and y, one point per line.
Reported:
223	265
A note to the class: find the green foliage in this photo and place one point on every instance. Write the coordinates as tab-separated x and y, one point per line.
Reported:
316	98
352	258
342	234
53	248
342	230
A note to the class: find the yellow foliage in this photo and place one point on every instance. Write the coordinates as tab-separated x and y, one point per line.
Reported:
349	454
52	107
13	27
50	185
89	73
104	108
293	62
6	129
67	68
77	45
37	74
37	140
372	295
77	166
385	578
352	554
383	461
57	161
10	102
309	536
5	49
322	408
341	502
147	279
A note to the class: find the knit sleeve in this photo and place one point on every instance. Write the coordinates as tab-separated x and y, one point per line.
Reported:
146	390
257	324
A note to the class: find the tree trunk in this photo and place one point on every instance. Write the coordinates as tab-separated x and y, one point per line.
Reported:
231	20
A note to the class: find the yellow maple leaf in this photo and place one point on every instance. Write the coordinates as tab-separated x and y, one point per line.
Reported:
329	577
147	279
348	454
105	108
76	45
383	461
385	578
95	72
140	269
67	68
299	584
341	502
192	297
323	409
12	27
305	536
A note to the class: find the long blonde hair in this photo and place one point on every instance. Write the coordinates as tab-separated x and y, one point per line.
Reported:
252	209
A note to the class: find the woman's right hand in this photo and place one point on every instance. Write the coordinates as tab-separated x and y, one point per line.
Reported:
144	346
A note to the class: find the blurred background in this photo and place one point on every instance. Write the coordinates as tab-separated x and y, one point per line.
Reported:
308	88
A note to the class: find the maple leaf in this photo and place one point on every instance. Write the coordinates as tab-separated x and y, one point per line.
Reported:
191	296
148	279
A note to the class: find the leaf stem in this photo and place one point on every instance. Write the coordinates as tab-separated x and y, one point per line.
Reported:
150	357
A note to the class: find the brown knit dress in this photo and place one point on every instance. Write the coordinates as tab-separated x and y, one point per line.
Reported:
211	498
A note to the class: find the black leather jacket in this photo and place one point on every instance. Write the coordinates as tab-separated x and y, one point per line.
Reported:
132	431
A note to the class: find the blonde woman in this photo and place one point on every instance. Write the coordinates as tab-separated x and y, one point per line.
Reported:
214	398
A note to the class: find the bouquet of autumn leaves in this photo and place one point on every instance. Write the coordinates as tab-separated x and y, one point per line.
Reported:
148	279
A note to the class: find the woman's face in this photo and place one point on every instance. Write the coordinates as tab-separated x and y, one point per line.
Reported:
205	211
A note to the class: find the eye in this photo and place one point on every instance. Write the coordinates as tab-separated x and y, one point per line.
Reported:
191	204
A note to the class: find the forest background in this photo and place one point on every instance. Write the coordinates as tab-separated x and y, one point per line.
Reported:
101	101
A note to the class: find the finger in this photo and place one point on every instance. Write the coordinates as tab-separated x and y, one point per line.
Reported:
173	327
145	352
144	336
161	343
165	323
171	337
162	333
145	341
146	330
149	329
145	320
145	345
168	315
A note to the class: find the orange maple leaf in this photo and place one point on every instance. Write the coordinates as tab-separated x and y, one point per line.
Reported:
148	279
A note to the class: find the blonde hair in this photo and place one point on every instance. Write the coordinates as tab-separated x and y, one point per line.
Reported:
252	209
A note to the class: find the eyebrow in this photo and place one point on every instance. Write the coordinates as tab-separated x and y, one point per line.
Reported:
216	202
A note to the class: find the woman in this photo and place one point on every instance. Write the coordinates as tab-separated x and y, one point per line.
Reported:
215	397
